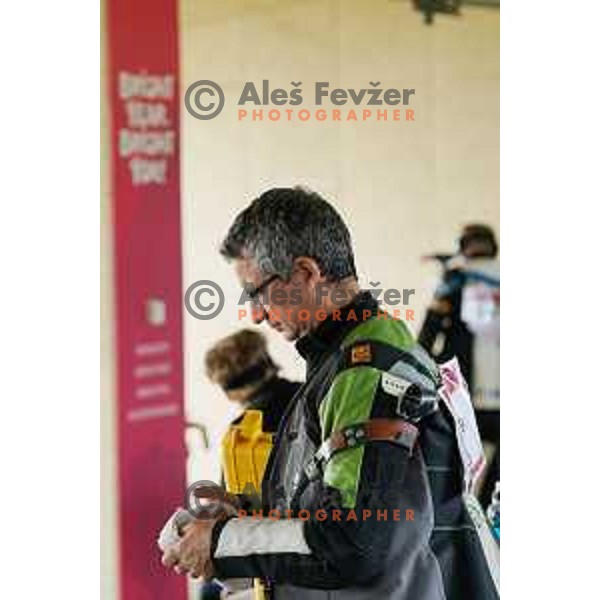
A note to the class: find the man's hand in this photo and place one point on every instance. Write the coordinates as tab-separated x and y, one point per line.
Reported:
192	553
187	536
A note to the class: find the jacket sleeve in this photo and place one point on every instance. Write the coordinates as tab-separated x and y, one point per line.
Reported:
370	506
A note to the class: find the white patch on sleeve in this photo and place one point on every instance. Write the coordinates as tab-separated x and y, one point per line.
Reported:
394	385
243	537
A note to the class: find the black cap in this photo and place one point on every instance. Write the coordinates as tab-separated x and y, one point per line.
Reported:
479	233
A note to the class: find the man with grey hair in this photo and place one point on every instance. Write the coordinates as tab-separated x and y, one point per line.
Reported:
363	491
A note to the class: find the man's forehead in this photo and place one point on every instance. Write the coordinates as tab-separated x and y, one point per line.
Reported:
246	266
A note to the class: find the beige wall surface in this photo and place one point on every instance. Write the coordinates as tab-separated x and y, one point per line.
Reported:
109	547
404	188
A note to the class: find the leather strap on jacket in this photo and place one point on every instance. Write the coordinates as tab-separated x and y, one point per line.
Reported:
396	431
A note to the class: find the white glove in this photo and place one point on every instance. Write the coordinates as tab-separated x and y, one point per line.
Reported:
172	531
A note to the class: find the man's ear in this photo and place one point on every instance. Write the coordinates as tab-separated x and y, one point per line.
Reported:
309	268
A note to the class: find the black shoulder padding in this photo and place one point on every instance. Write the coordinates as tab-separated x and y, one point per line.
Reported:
416	397
384	356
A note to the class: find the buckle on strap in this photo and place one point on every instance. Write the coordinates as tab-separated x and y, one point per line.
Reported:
396	431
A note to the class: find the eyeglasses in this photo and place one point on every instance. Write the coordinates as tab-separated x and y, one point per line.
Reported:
257	291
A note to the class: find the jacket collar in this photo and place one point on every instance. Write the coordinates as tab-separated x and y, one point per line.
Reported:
330	333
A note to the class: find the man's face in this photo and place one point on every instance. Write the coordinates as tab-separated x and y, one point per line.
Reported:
284	305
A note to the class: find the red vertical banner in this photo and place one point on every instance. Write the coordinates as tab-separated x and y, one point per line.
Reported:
144	115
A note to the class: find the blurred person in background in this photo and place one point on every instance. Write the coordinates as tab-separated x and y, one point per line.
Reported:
463	320
240	364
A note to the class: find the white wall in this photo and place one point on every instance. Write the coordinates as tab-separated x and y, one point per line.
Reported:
405	188
109	504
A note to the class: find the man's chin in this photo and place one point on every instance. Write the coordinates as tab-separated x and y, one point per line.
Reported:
289	335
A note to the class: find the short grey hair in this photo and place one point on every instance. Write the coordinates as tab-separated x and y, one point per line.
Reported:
286	223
